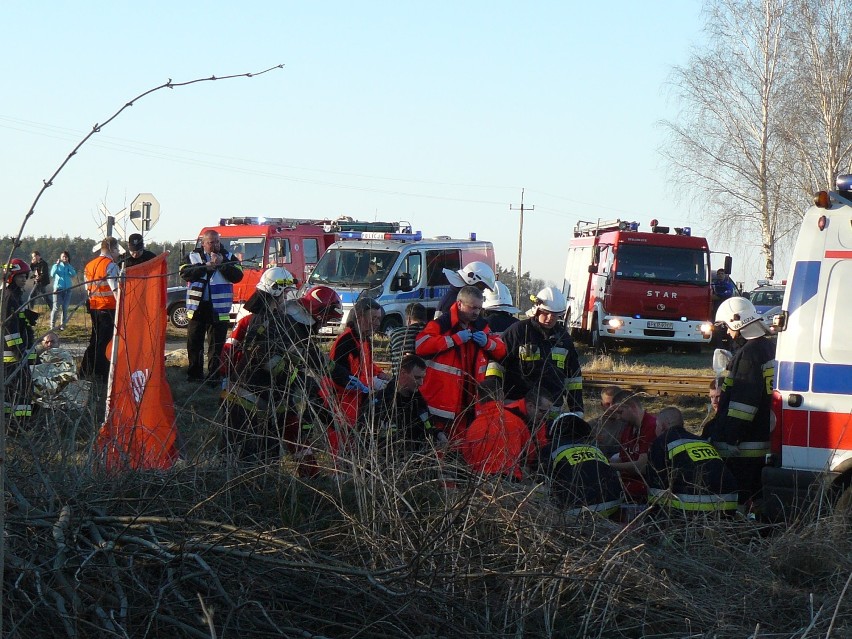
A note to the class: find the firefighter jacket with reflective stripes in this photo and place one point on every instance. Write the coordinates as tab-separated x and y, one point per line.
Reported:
266	359
581	478
18	328
687	473
744	408
99	273
217	285
350	355
454	367
538	356
18	335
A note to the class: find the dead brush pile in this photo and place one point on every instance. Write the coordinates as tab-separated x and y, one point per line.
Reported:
382	548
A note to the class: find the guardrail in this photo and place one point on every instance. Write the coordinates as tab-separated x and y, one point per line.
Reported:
654	384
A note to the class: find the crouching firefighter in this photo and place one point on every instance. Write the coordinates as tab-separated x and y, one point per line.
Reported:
267	392
577	472
686	472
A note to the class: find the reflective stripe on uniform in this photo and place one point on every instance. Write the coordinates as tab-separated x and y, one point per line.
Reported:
444	368
753	449
573	383
578	454
745	412
558	355
697	450
683	501
529	353
445	414
494	369
605	509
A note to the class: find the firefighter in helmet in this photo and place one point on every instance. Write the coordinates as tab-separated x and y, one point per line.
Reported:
18	351
744	416
540	352
477	274
267	361
498	309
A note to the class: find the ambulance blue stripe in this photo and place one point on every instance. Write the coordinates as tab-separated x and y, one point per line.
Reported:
833	378
805	282
348	297
793	376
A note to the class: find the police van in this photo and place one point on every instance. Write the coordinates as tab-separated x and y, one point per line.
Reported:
395	269
812	401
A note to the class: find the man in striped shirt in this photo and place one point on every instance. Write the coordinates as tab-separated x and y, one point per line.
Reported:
402	339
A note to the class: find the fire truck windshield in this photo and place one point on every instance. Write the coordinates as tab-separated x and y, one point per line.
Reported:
661	264
249	250
353	267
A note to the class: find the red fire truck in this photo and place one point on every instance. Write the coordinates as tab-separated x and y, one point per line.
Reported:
623	284
295	244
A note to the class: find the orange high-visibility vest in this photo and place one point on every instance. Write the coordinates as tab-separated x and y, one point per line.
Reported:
100	294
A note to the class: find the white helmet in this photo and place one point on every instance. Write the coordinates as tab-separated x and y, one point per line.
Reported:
472	274
548	299
276	281
499	299
739	314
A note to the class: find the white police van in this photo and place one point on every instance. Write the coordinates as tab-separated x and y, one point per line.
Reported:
812	401
395	269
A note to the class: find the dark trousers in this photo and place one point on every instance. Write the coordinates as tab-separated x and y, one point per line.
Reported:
39	293
95	360
204	325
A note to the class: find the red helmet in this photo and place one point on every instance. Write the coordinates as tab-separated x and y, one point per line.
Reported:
15	267
323	303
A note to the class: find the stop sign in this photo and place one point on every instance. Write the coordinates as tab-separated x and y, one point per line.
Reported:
144	211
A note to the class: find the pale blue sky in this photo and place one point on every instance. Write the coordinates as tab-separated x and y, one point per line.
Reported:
437	113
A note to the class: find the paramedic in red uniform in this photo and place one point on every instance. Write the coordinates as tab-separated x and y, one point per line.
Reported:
353	374
637	435
457	347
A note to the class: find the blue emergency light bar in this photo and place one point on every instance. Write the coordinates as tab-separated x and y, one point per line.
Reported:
373	235
844	182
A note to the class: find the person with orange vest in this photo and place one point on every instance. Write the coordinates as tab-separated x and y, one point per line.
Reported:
457	347
353	374
505	439
101	279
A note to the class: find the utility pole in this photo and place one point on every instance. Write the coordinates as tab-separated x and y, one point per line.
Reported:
522	208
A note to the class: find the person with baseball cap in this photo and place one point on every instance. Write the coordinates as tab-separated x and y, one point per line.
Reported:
137	253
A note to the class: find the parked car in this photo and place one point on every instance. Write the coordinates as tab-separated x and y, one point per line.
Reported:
176	306
767	295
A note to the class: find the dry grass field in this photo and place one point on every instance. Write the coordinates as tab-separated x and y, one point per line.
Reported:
382	546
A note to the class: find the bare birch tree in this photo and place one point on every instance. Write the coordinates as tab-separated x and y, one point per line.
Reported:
819	128
727	144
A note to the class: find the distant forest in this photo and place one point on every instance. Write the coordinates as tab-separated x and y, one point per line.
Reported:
81	250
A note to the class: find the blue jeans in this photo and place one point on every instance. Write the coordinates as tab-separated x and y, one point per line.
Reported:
62	298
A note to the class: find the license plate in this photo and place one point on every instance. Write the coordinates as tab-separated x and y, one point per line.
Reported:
664	325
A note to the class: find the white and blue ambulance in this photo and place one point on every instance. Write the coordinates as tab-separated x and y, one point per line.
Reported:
812	436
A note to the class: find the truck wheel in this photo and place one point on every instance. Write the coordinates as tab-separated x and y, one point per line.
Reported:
177	315
390	322
843	507
595	339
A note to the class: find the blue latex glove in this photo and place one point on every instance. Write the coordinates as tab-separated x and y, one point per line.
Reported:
464	335
480	338
357	384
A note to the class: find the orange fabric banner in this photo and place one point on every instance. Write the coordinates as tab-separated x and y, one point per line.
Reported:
139	431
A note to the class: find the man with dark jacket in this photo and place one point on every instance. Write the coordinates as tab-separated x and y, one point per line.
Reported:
40	273
211	272
137	253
